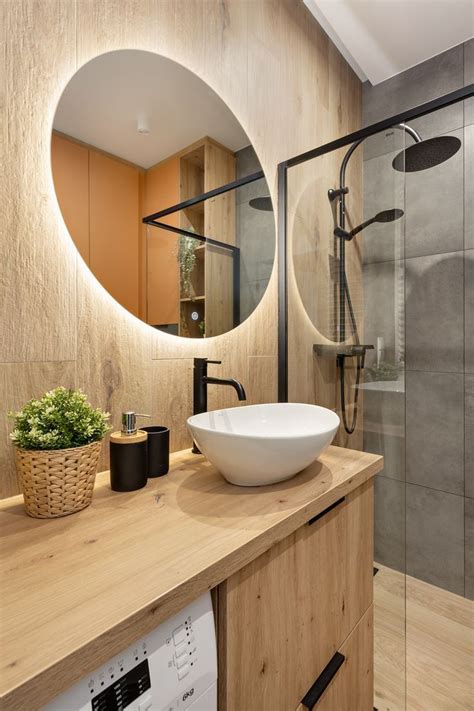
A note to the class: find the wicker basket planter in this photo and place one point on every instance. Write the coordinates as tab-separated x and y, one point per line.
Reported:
57	482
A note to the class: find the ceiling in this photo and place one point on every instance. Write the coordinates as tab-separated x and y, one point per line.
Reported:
381	38
105	98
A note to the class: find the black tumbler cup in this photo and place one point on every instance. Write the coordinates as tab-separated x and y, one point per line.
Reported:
158	450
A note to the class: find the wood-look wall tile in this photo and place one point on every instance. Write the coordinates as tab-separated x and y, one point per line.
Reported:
262	379
19	382
114	364
172	399
37	308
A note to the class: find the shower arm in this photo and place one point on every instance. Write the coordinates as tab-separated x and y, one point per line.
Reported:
341	193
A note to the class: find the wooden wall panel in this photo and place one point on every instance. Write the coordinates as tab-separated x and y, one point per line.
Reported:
281	77
162	190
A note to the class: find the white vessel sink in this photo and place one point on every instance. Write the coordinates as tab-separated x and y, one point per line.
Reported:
263	444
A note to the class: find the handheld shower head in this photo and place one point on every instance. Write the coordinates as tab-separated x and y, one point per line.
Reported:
262	203
426	154
384	216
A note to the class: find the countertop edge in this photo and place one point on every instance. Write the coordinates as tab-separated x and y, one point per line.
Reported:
49	682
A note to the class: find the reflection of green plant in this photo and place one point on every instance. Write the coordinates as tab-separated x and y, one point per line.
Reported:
384	371
202	328
187	262
59	420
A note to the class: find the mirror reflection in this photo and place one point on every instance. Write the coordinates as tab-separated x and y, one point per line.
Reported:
163	194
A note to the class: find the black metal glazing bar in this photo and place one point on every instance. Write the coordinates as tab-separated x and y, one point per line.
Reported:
418	111
195	235
205	196
421	110
236	287
282	284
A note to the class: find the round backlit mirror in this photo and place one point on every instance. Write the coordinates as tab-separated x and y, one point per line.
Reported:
162	193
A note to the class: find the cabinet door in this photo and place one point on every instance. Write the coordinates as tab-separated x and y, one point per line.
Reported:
70	165
284	616
114	227
348	684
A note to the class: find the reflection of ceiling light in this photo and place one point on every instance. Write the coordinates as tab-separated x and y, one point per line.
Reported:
143	125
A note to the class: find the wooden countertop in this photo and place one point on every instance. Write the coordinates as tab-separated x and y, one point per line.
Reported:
77	590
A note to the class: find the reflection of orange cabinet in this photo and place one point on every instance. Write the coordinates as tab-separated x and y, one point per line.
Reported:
114	227
70	164
162	292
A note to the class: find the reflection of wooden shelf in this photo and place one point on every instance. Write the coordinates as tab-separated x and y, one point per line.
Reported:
196	298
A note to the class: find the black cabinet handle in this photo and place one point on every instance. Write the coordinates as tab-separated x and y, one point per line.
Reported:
323	513
323	681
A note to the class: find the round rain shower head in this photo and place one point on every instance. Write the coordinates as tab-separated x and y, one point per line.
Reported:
262	203
388	215
426	154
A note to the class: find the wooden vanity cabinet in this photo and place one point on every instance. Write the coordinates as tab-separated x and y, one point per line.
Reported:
283	617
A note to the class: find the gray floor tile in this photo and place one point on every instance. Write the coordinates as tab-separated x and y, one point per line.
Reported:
469	550
434	207
390	522
435	430
469	309
434	313
469	436
435	537
469	187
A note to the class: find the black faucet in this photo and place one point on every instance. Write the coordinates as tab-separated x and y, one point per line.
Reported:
200	382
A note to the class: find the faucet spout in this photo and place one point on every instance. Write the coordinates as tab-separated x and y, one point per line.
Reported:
238	387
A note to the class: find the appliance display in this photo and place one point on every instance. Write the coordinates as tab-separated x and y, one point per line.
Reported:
174	668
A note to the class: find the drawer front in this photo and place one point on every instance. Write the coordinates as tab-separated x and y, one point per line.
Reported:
285	615
347	683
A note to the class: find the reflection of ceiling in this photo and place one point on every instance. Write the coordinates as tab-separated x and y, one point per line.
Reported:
381	38
102	102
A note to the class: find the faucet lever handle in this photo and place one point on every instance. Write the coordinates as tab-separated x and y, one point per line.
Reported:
216	362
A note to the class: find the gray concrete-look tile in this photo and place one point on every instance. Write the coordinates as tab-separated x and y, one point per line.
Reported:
435	430
437	123
384	189
469	436
384	430
428	80
434	207
469	310
434	313
469	187
469	62
384	308
469	111
435	537
469	548
390	522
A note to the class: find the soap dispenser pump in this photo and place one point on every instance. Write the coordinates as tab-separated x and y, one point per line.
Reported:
128	455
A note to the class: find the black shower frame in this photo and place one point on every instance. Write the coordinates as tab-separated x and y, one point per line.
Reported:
154	221
283	167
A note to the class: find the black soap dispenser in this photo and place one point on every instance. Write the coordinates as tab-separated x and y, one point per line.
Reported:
128	455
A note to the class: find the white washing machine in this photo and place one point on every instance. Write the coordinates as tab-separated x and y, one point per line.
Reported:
172	669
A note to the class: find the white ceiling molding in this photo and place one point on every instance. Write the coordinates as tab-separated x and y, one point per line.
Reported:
381	38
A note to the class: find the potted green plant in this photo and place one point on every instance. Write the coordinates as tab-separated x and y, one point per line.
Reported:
57	441
187	262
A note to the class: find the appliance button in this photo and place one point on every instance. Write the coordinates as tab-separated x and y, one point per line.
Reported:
146	704
179	635
181	649
181	661
184	671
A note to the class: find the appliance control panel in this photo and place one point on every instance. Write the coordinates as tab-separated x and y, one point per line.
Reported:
170	669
